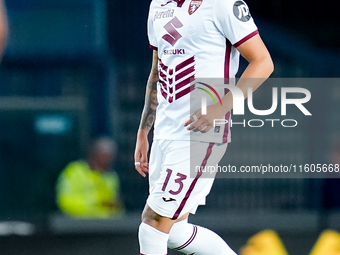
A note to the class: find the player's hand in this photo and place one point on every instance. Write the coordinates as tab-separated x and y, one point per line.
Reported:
141	153
204	123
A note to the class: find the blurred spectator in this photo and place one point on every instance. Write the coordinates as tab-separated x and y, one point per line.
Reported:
266	242
331	199
327	244
88	189
3	27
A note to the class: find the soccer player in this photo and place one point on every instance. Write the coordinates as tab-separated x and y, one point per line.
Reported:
190	39
3	27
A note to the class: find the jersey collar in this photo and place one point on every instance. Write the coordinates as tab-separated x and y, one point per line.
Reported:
179	2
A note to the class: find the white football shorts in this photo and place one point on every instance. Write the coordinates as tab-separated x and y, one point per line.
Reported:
173	192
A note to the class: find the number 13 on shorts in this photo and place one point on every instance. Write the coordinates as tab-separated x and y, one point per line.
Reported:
178	179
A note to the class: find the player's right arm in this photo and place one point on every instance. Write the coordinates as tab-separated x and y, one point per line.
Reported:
147	119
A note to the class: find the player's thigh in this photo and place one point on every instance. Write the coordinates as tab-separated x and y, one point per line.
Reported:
202	155
179	190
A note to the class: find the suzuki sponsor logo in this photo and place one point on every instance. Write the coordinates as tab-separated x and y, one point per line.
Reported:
174	52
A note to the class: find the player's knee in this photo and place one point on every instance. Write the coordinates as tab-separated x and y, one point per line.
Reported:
149	215
157	221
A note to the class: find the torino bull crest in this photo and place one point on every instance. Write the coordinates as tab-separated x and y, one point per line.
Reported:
194	5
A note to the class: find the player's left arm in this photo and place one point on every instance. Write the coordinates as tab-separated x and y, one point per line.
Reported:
260	67
260	61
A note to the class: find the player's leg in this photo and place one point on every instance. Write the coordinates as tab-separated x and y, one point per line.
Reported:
153	241
173	192
192	239
154	232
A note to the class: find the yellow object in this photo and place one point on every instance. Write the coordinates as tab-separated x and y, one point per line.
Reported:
82	192
327	244
266	242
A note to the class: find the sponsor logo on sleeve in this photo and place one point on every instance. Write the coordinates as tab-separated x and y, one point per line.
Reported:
241	11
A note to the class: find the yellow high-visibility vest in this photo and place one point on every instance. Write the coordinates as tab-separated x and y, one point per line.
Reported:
82	192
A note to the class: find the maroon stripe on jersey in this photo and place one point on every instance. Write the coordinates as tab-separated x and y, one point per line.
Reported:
226	128
179	3
192	186
163	92
246	38
185	72
163	75
227	125
184	82
185	63
227	61
226	81
192	237
164	67
153	47
184	92
163	84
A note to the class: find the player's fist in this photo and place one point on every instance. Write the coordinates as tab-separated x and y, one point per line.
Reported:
204	123
141	153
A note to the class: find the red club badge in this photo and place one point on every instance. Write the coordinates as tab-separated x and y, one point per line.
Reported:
194	5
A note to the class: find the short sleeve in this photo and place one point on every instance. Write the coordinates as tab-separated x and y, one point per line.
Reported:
233	19
151	32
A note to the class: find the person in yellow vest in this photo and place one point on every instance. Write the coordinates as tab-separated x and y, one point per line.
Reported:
266	242
327	244
90	189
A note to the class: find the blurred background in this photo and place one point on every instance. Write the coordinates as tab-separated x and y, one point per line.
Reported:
77	69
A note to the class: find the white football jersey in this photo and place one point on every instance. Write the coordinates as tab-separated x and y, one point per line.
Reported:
194	39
